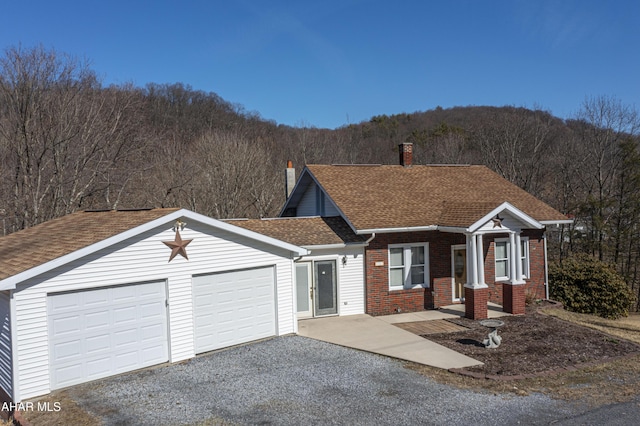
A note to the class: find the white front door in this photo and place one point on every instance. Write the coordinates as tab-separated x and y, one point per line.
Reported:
233	307
317	289
304	288
106	331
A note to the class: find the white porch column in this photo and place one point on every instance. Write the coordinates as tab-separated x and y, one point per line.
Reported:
480	259
518	243
474	261
513	274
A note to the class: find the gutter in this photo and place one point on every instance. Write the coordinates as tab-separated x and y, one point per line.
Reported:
546	266
393	230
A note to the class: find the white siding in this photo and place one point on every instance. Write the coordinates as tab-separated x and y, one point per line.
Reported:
143	258
307	205
350	277
6	367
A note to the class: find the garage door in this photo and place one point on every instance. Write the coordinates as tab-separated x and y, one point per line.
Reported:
233	308
102	332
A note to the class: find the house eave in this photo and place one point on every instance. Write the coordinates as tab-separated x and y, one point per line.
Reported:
557	222
394	230
334	246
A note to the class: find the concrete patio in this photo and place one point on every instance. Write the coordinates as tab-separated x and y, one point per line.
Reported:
380	335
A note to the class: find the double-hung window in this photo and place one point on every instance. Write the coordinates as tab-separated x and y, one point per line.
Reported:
502	253
408	266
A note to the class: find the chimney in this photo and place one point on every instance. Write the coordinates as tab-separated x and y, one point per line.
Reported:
289	178
406	154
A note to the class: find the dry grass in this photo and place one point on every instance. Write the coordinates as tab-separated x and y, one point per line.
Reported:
626	328
70	413
606	383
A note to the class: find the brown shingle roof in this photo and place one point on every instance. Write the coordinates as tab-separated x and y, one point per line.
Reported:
303	231
42	243
375	197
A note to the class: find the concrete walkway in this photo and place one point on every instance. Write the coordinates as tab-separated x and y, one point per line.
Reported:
379	335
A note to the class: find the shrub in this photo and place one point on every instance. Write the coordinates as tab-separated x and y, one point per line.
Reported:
586	285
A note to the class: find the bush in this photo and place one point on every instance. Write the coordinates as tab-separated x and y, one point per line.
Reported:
588	286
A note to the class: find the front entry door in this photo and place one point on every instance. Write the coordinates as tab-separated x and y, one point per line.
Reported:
316	288
459	267
325	297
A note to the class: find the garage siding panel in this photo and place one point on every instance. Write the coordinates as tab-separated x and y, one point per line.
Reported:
233	307
6	361
351	282
139	259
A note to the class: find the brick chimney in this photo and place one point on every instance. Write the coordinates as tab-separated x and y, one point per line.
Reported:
289	178
406	154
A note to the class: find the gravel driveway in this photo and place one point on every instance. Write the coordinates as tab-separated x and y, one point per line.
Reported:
296	380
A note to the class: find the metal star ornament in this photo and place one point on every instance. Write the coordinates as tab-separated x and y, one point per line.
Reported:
497	221
178	246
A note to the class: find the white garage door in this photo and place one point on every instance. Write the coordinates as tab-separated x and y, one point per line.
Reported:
233	308
102	332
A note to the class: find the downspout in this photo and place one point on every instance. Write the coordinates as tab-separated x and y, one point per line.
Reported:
546	266
364	273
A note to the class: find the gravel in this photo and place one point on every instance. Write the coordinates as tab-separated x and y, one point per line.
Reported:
295	380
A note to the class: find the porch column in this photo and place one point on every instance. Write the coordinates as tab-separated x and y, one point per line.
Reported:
513	291
519	279
513	274
480	259
473	260
475	290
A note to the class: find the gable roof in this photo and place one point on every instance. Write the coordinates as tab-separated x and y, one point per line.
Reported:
34	250
383	197
304	231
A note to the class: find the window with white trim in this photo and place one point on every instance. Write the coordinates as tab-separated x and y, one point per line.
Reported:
408	265
524	256
502	253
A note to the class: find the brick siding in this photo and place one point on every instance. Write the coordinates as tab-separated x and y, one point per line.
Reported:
382	301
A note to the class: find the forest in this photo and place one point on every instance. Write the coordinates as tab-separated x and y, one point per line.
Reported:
69	143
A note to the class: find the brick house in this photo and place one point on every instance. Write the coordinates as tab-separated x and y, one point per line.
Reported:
430	236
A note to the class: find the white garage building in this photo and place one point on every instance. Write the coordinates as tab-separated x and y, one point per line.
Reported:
94	294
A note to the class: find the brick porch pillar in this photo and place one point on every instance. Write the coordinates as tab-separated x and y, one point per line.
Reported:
475	302
513	298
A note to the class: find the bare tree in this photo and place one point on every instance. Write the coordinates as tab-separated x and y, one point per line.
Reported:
61	134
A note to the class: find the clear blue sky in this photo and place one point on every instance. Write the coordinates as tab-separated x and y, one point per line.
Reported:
327	63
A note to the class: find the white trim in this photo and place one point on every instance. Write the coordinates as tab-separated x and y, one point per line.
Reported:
15	386
334	246
557	222
392	230
11	282
526	274
495	259
406	267
518	214
455	247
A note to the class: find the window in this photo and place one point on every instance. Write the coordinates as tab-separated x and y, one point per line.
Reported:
408	266
524	256
502	251
502	260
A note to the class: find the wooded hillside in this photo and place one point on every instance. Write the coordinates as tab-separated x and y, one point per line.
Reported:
68	143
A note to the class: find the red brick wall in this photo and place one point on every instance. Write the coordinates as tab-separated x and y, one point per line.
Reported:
475	303
381	301
535	284
514	298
